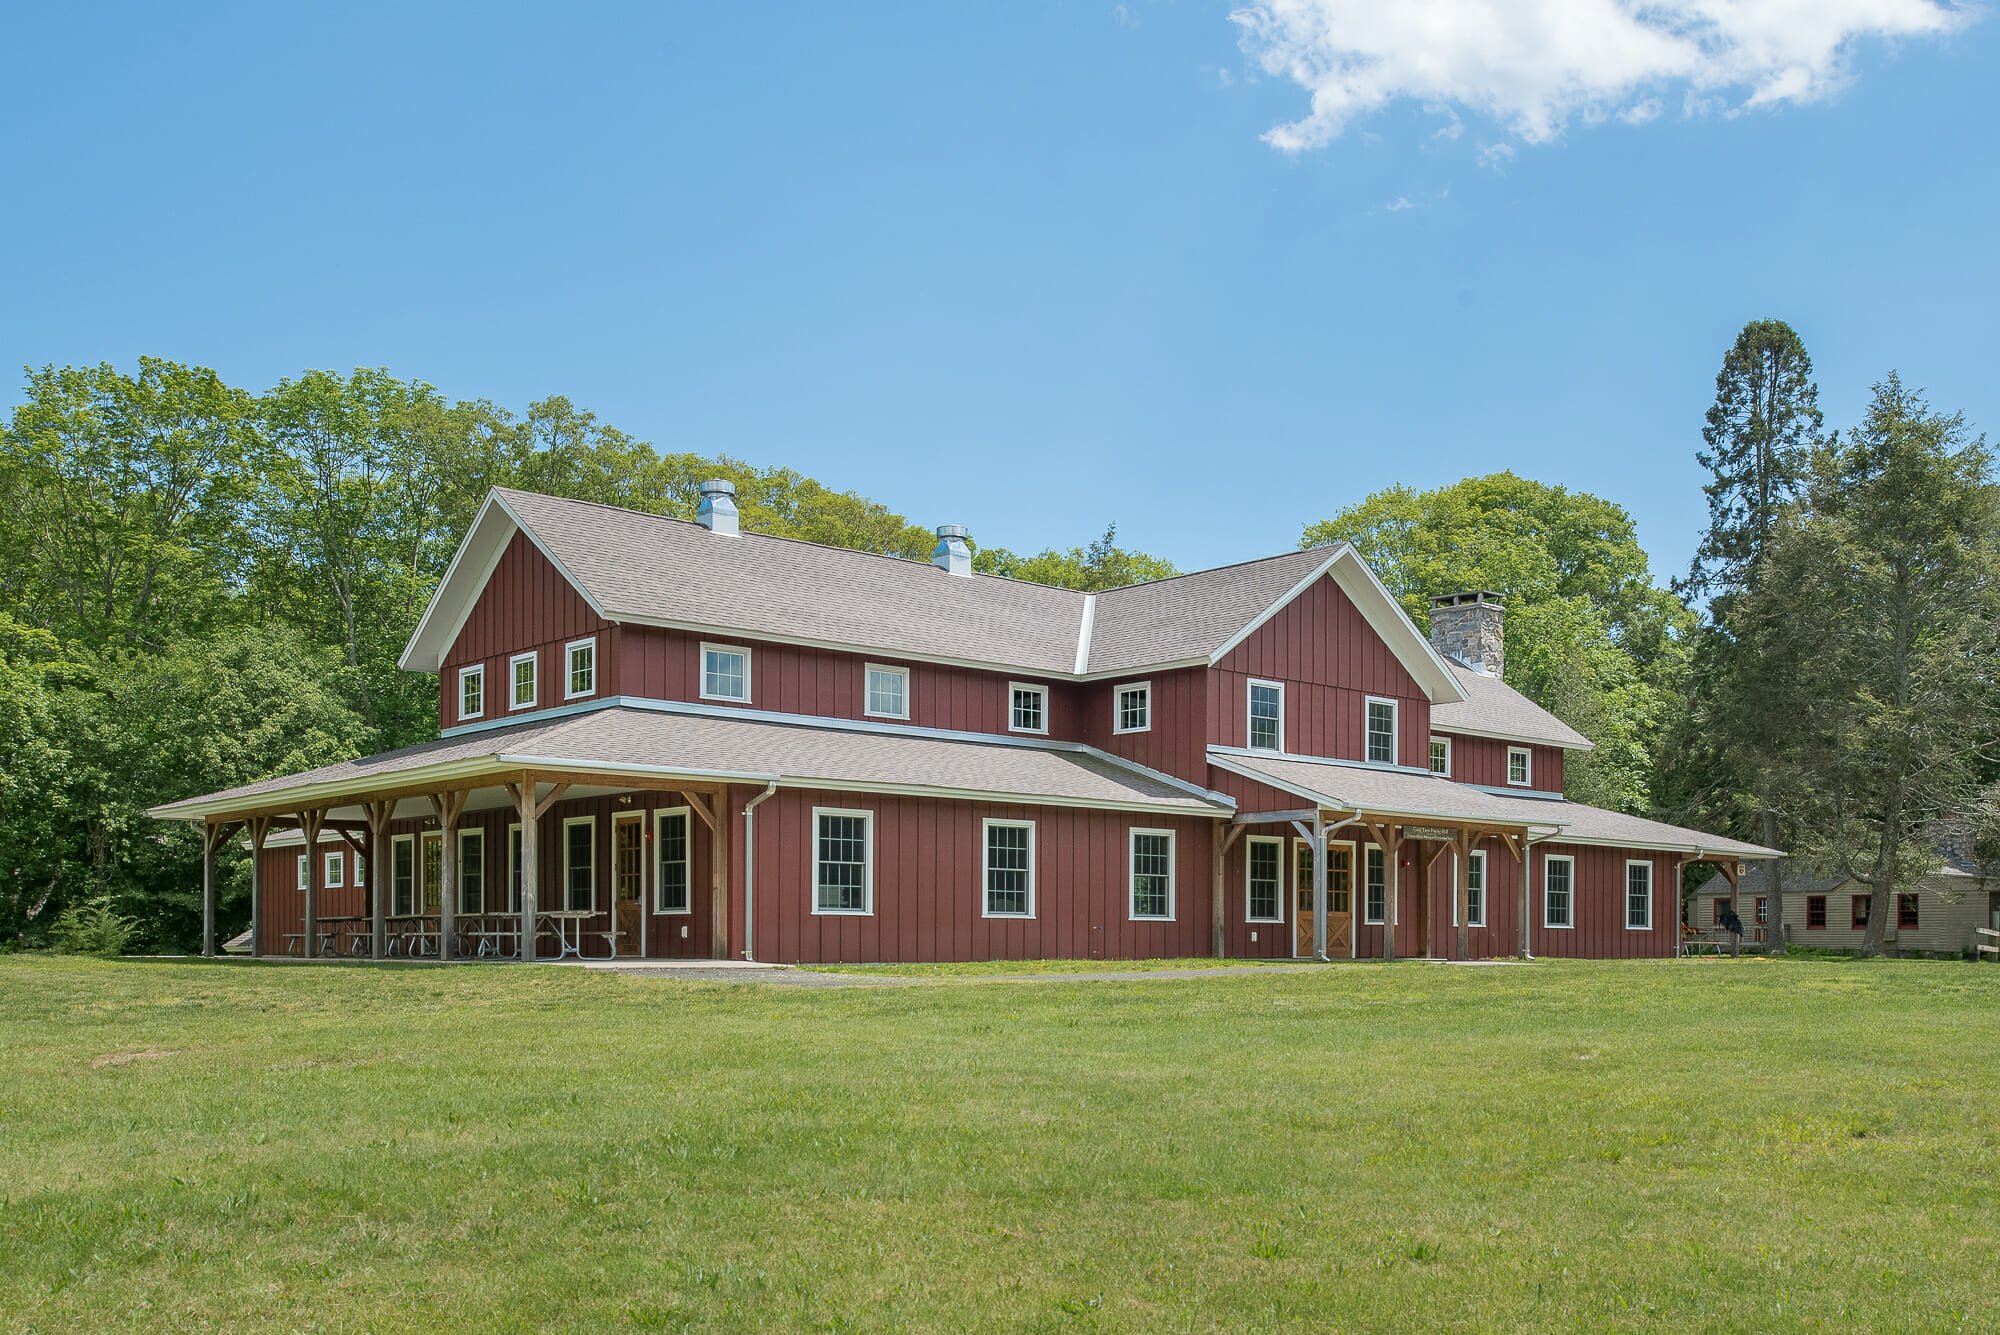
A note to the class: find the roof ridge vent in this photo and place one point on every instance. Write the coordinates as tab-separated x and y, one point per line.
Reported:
717	512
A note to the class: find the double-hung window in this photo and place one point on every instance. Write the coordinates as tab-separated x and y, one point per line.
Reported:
1267	716
1520	766
1027	707
1906	912
1008	872
1475	889
725	673
472	871
1152	859
1441	755
1815	910
1857	911
335	870
843	861
580	864
521	681
305	870
1638	896
1374	886
1381	730
580	676
1558	889
1132	708
888	691
671	885
1264	889
471	692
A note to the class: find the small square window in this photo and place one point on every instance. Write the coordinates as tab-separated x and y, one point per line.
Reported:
1520	766
725	673
581	678
1381	716
471	692
1267	716
521	675
1441	755
1027	707
888	690
1132	709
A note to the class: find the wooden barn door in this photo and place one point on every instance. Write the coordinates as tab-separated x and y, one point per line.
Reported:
1302	898
628	877
1339	900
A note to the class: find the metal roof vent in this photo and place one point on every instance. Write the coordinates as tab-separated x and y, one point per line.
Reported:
953	554
717	512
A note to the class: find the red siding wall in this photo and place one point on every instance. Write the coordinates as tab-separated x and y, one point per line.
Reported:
1600	931
1177	741
1483	760
1330	660
527	604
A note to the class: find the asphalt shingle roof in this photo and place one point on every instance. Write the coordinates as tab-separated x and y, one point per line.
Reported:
1492	706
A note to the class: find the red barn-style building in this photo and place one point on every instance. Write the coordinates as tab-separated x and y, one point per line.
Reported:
672	739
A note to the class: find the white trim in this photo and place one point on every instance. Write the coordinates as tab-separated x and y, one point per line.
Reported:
1625	906
986	866
1492	735
1485	891
472	672
304	870
1039	689
1132	876
1283	889
568	870
1547	860
328	878
867	818
868	670
1345	762
1437	741
1086	626
647	849
569	668
1332	802
660	815
701	668
466	832
1250	715
533	659
1527	779
1121	690
1368	702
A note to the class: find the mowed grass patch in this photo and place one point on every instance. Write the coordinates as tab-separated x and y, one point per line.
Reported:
1723	1144
1037	968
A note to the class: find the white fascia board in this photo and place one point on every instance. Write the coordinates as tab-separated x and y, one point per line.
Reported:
1458	730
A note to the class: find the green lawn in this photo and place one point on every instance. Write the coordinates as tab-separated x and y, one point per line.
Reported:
1717	1144
1023	968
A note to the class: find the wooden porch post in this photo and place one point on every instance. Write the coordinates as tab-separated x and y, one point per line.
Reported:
212	835
448	806
1226	835
380	874
718	879
1461	852
531	807
1729	867
1388	838
310	825
260	830
1319	885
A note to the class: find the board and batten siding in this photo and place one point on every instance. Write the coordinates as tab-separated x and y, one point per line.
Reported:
1176	742
1483	761
526	605
928	895
1600	932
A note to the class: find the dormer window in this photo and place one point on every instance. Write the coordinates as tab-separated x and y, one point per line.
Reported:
1520	766
1132	708
725	673
471	692
581	677
1267	716
1441	755
521	681
888	691
1381	730
1027	707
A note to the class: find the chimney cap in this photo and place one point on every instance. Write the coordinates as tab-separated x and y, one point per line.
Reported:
953	531
718	486
1470	596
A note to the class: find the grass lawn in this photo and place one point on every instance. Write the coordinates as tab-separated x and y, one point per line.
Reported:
1720	1144
1019	968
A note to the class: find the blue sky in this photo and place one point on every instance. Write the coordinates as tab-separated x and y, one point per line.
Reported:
1025	268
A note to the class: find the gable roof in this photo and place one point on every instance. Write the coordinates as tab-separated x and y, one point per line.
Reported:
650	569
1492	708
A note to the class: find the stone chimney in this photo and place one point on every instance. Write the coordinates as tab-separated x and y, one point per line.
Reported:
1466	627
952	554
717	512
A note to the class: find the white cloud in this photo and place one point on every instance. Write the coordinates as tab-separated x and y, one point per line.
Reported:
1496	156
1398	204
1534	65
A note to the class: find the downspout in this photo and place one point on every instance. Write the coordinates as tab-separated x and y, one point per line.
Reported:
750	869
1528	891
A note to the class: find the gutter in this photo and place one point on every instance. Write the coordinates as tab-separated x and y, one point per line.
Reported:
750	869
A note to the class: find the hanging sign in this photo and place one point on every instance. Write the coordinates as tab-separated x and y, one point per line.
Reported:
1428	832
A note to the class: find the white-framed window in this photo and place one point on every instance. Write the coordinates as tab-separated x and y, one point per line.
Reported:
1475	889
672	885
1152	866
514	867
1441	756
333	870
521	688
1558	890
1007	869
304	866
403	875
725	673
472	692
1132	707
430	870
843	861
1027	707
1264	879
580	668
1266	727
887	693
472	870
1638	896
1374	885
580	863
1379	715
1520	766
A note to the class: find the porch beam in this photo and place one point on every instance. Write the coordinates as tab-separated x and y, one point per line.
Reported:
700	805
1294	817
